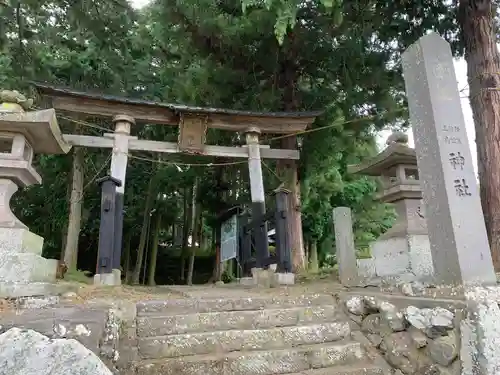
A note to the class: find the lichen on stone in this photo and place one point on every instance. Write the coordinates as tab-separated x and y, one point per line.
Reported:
15	97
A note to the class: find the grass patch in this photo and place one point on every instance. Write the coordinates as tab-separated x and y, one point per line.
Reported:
78	276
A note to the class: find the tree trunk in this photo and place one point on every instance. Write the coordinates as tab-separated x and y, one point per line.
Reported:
154	251
185	232
75	211
313	257
483	64
126	267
287	169
195	213
144	231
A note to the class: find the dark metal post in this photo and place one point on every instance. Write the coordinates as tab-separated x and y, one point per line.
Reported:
283	250
107	227
117	244
245	249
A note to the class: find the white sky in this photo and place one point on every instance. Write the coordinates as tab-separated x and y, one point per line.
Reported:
461	72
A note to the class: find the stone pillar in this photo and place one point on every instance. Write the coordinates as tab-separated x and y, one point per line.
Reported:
119	160
23	270
455	222
344	244
257	193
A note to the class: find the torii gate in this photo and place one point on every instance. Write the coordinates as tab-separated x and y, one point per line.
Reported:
193	123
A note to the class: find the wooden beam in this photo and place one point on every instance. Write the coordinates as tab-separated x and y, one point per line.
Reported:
172	148
156	114
144	113
269	125
88	141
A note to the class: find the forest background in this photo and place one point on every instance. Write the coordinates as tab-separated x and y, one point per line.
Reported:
342	57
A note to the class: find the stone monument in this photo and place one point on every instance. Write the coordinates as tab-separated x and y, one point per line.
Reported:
459	243
403	251
23	270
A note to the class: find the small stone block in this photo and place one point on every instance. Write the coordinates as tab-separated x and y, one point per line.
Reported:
262	278
118	276
284	278
108	279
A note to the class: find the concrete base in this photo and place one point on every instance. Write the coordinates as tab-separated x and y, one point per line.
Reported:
107	279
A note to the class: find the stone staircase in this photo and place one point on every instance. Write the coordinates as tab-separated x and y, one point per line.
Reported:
308	335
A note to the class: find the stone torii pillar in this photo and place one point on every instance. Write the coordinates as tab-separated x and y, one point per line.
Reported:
257	192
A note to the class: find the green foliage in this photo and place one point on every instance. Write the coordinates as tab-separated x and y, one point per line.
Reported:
273	55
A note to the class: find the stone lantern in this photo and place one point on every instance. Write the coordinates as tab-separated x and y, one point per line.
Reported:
404	250
23	270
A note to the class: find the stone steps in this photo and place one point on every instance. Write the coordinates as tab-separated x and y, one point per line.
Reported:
358	369
152	325
241	340
344	353
206	305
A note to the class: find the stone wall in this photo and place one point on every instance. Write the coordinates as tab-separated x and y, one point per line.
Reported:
420	341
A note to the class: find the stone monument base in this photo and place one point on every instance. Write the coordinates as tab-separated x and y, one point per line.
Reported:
408	255
23	270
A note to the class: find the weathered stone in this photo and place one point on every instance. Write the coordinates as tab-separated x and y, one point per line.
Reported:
392	316
440	317
443	350
418	337
149	326
439	130
356	305
434	322
480	333
414	288
81	323
291	360
376	325
401	353
374	339
358	319
431	369
344	242
26	352
418	318
454	369
228	341
180	306
371	303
